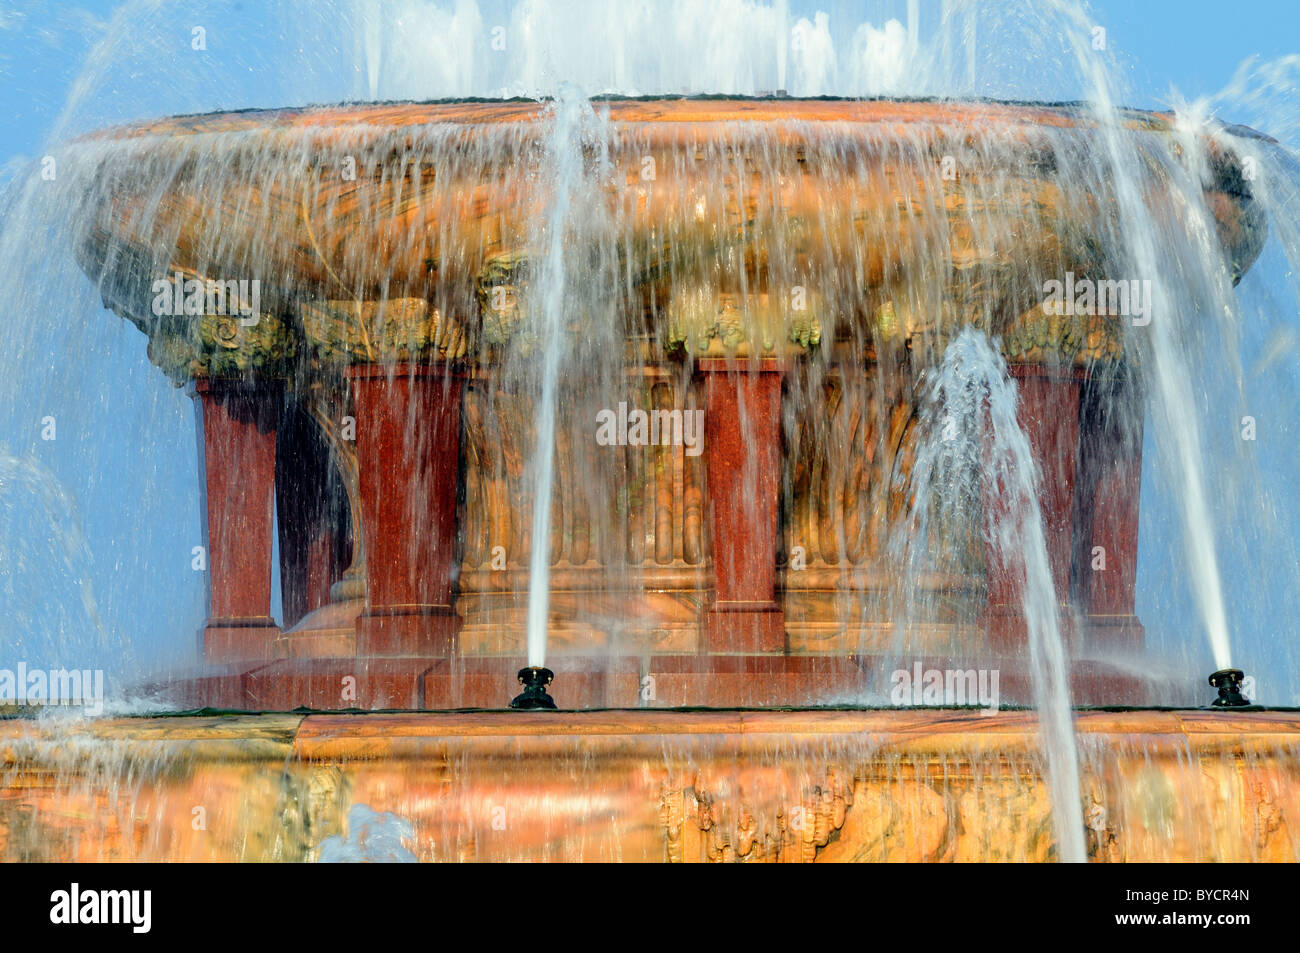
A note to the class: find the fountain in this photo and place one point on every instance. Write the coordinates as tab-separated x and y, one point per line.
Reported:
634	391
783	258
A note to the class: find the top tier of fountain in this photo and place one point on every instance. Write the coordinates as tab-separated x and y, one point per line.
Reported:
400	232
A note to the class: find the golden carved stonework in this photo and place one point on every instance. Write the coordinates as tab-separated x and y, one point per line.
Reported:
789	787
768	224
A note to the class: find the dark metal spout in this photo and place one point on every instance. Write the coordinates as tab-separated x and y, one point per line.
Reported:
1228	682
534	696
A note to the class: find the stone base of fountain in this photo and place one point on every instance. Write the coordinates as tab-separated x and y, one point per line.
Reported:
682	787
592	682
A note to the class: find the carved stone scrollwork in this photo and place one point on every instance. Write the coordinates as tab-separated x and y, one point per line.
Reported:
705	322
705	826
1103	842
190	346
501	287
398	329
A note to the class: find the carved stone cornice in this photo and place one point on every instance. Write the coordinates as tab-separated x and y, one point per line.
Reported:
404	232
393	331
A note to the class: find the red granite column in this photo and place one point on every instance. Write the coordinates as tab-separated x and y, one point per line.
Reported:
742	426
408	455
1048	411
1106	517
238	420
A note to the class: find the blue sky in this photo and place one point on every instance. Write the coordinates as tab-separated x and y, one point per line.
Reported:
1193	46
114	63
